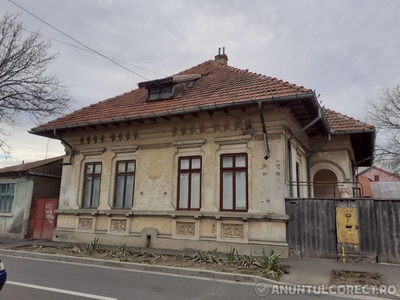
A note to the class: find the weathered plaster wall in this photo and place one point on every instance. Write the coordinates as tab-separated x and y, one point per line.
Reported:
15	224
156	146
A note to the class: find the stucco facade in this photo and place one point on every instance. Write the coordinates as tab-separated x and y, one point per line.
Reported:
156	148
209	154
154	219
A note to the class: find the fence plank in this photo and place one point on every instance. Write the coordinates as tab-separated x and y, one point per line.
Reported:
312	227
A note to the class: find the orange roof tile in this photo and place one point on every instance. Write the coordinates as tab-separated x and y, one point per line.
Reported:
219	84
341	122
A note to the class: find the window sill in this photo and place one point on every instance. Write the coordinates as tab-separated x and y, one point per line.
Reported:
4	214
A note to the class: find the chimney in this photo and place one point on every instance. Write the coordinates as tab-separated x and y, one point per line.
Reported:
221	58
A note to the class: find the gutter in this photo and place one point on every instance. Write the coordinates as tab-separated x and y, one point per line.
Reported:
348	132
71	151
265	135
289	144
365	159
191	110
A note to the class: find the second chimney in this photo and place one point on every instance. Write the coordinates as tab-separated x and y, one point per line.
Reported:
221	58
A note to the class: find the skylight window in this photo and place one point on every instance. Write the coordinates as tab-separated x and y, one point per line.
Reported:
158	92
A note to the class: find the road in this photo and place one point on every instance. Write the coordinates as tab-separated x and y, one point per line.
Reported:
40	279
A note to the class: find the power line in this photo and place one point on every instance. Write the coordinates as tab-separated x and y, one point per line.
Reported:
91	49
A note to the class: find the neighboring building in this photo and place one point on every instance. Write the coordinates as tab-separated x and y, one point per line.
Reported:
379	184
203	159
22	184
364	187
378	174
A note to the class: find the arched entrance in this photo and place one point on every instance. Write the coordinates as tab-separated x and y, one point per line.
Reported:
325	184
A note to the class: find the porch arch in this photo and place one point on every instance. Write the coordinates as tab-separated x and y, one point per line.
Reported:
325	177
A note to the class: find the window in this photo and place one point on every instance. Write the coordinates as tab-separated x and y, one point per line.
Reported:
189	183
7	191
376	177
124	184
91	190
160	92
234	182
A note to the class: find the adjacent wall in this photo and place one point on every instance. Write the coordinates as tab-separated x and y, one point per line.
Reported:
15	224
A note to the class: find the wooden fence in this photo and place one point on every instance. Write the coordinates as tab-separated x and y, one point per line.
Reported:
312	228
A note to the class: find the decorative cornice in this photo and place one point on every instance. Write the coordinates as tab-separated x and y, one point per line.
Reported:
93	151
125	149
189	143
232	140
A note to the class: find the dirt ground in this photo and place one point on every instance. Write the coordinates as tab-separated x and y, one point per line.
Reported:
355	278
203	261
154	259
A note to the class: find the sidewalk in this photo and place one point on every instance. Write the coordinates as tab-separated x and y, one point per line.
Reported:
302	271
318	271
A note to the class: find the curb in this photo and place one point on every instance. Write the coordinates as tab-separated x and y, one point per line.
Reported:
142	267
168	270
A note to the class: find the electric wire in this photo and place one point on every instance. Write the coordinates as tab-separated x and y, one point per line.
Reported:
75	40
89	51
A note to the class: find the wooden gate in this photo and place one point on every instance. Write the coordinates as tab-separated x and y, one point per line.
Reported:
42	220
312	229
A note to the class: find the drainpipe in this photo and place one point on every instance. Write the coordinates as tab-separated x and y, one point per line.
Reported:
71	151
265	135
319	116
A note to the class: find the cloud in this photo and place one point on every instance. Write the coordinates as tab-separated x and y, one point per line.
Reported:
345	50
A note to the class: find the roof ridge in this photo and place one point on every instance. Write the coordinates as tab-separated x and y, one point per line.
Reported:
33	164
263	77
196	66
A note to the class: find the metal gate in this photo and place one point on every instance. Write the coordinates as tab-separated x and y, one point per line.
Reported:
42	220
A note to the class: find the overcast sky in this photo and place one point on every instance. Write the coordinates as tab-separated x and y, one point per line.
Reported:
345	50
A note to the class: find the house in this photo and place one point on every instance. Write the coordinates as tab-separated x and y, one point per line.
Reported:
26	189
377	174
203	159
379	183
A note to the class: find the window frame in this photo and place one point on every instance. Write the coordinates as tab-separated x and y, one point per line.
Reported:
234	170
190	171
92	175
14	185
159	90
125	174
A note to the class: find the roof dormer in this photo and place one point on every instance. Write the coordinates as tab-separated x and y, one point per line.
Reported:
169	87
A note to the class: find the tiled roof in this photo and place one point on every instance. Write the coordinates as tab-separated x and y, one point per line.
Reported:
26	167
219	84
339	122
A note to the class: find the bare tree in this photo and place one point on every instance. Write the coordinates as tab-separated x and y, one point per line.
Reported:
384	114
24	85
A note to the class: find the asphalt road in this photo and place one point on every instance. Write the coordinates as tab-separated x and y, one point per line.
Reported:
39	279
